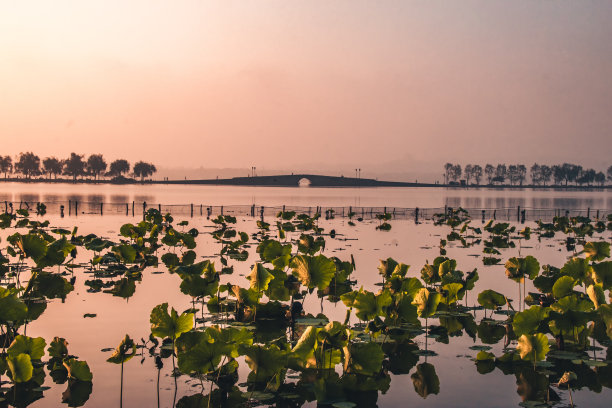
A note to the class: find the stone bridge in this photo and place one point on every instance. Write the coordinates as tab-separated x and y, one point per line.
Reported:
295	180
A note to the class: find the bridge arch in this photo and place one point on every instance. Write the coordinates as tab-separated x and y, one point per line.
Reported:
304	182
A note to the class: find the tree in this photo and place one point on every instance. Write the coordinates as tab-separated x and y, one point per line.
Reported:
448	168
545	173
600	178
53	166
74	166
513	174
468	173
609	172
536	174
490	172
6	165
586	176
28	164
558	173
501	173
142	170
455	172
96	165
477	173
119	167
522	173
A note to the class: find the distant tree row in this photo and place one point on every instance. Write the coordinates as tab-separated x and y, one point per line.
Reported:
29	165
516	174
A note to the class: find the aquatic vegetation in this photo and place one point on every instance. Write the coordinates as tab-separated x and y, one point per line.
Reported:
259	321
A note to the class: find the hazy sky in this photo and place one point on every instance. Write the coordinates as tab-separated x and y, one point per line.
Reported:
397	84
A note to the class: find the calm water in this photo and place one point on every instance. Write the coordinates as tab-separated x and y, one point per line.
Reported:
460	384
307	196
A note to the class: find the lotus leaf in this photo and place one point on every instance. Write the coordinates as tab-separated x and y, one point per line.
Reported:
596	294
528	321
314	271
34	347
577	268
369	306
425	380
563	286
533	347
602	274
124	351
365	358
490	299
78	370
171	325
260	277
426	302
58	348
597	251
21	367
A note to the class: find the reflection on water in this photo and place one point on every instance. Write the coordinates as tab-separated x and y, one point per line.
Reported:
425	197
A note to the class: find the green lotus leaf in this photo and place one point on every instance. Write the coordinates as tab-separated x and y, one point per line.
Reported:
264	361
276	288
369	306
260	277
33	246
34	347
198	286
201	358
485	356
597	251
605	311
335	334
426	302
313	271
366	358
596	294
387	267
425	380
602	274
411	286
490	299
400	270
50	285
12	309
77	393
230	338
528	321
21	367
563	286
124	351
518	268
577	268
78	370
406	311
58	348
571	303
171	325
470	279
533	347
171	260
302	353
454	292
125	252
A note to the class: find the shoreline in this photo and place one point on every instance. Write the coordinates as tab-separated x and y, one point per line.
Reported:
320	181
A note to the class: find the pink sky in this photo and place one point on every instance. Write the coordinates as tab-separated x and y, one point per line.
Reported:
393	84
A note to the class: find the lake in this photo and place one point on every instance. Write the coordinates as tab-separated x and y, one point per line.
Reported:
460	382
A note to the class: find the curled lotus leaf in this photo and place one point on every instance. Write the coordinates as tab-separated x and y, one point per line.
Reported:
313	271
426	302
124	351
425	380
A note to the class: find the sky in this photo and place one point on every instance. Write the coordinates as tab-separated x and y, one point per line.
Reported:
387	86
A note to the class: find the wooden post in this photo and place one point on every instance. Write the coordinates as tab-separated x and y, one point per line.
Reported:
192	210
132	208
62	211
127	209
483	215
262	213
144	209
76	208
101	208
200	210
159	208
221	210
518	213
416	214
283	208
588	212
495	214
69	207
597	214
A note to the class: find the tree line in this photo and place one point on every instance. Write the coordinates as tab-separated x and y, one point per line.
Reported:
30	165
516	174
